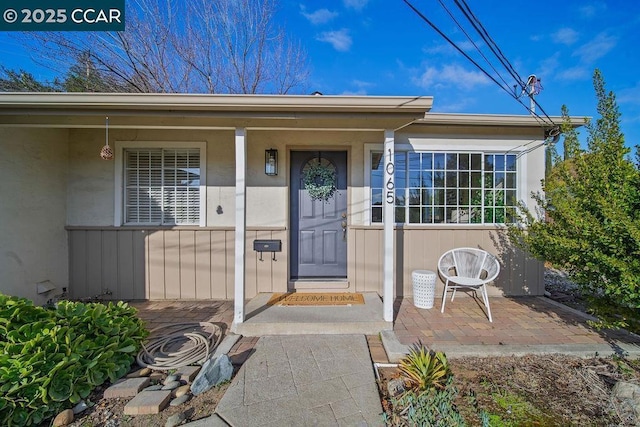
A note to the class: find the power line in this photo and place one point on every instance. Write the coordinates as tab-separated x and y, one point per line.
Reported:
495	50
473	19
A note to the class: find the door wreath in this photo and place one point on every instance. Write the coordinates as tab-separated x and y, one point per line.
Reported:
319	179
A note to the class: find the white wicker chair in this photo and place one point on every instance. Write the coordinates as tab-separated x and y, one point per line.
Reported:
468	268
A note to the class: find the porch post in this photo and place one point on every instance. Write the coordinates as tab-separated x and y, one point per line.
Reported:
388	216
241	224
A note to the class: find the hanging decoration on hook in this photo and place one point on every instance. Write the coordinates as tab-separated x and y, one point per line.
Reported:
107	152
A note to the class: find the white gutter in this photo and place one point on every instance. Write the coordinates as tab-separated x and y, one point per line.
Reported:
197	102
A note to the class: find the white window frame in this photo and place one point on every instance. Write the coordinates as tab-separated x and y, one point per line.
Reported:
443	146
119	157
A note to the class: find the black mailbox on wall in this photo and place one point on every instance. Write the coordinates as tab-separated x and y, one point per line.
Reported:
267	246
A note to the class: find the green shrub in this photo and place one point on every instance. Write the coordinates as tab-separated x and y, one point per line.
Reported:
423	369
432	407
50	359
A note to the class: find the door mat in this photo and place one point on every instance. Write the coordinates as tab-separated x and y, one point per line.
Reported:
296	298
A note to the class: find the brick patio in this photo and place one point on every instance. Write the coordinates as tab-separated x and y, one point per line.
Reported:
516	321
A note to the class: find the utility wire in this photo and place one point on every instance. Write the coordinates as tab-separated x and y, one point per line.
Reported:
454	45
466	10
443	35
472	42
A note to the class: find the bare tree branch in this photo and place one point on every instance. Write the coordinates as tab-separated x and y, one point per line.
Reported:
199	46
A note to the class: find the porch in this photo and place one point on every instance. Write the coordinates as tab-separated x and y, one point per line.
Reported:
521	325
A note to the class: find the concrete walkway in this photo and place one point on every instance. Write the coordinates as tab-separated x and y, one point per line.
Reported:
304	380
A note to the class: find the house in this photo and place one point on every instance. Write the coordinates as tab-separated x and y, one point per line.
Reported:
197	182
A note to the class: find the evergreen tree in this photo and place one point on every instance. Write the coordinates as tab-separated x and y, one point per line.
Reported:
591	226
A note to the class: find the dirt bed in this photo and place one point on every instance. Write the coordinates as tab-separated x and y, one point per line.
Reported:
549	390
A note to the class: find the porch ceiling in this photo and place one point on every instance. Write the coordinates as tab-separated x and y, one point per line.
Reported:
178	111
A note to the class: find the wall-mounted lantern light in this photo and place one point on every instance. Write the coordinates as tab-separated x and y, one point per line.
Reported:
271	162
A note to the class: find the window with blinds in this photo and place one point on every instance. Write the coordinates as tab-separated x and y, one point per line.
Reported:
162	186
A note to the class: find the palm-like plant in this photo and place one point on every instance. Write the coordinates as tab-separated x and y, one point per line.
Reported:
423	368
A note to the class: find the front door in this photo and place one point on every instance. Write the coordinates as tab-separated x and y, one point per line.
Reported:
318	223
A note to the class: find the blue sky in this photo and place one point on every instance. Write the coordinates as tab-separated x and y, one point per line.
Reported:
381	47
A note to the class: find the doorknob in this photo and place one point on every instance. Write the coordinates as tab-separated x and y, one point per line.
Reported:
344	230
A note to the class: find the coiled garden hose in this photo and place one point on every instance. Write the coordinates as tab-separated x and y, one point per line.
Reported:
180	344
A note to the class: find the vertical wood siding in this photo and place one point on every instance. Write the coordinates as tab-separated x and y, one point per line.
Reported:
160	264
197	264
420	249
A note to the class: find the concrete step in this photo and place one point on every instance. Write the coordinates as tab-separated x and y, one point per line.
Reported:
262	319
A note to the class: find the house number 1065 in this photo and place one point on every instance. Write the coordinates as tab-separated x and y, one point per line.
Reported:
390	168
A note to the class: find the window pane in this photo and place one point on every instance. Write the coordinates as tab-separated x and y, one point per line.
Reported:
414	216
427	197
414	161
438	161
476	162
438	197
464	179
463	161
427	179
511	162
452	161
414	197
499	162
427	161
414	179
452	179
376	214
438	179
476	179
427	215
488	162
511	180
438	214
400	197
400	215
376	197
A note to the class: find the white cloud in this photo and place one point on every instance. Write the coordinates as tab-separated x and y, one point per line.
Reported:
566	36
446	48
355	4
630	95
591	10
574	73
340	40
450	75
318	17
456	107
549	65
596	48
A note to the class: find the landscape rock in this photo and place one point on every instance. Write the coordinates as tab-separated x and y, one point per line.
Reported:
395	387
171	385
153	388
213	372
627	397
181	391
180	400
63	418
156	376
80	407
170	378
143	372
175	419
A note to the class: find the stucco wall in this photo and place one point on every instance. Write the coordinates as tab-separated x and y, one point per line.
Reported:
33	188
91	200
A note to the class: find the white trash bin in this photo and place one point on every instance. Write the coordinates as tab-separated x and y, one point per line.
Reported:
424	288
